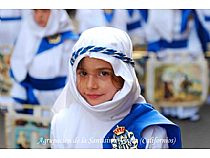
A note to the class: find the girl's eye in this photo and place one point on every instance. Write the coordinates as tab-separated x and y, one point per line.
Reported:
104	73
82	73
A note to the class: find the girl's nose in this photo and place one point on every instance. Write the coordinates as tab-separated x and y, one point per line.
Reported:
92	82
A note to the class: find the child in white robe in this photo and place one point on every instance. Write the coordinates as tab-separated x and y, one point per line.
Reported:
38	64
101	105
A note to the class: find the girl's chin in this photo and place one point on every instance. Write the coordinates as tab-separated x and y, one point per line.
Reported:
93	103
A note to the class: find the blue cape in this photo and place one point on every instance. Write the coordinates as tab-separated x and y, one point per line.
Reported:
127	133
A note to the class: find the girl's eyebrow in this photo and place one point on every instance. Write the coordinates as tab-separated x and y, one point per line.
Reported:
98	69
110	69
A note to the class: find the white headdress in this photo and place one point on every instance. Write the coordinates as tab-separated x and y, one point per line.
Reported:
114	46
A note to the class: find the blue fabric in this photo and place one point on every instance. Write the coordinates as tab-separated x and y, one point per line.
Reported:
203	34
11	74
31	98
24	110
10	18
40	84
130	12
141	117
46	45
137	23
144	14
48	84
185	19
163	44
21	101
133	25
109	16
207	18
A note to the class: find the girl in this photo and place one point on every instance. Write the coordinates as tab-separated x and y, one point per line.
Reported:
101	105
38	62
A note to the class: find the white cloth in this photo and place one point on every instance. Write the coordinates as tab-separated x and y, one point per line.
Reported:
119	19
137	35
24	59
157	20
154	135
166	24
89	18
75	120
9	29
202	13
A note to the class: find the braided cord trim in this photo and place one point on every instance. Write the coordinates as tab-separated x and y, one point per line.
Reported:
103	50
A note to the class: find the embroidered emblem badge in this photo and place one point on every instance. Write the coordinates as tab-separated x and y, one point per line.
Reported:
123	139
54	39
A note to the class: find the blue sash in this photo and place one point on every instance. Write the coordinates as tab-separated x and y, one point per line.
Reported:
131	127
10	18
133	25
46	44
40	84
163	44
207	18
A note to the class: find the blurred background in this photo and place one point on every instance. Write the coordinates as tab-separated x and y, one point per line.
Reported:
171	49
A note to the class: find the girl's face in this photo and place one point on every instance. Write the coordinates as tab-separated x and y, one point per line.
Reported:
96	81
41	16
